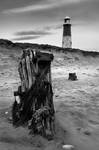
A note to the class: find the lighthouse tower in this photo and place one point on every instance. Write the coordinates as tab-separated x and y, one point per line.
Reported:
66	41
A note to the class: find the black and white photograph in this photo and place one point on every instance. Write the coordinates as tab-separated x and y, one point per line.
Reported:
49	74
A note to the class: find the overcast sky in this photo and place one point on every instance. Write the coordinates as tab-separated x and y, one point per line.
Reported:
40	21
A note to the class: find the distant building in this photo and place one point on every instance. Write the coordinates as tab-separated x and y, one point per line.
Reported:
67	41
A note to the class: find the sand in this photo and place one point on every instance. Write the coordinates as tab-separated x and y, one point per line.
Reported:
76	104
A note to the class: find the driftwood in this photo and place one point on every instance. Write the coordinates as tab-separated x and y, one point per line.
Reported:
36	96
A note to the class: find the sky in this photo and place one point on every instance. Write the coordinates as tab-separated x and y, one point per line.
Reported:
40	21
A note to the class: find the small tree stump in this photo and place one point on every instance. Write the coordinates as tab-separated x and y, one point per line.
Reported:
72	76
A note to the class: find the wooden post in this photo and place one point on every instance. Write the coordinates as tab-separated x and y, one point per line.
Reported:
29	73
36	95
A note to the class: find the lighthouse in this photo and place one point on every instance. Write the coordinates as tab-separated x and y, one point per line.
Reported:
67	41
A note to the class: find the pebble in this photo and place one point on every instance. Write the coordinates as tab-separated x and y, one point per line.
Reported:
6	112
68	147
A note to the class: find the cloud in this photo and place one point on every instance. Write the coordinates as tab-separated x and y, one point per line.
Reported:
54	27
26	38
27	9
43	5
26	33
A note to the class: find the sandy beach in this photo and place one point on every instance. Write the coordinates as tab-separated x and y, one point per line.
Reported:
76	104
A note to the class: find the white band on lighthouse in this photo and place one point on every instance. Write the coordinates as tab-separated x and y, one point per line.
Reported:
67	43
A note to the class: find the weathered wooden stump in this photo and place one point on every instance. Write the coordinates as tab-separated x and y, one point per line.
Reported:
72	76
35	93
